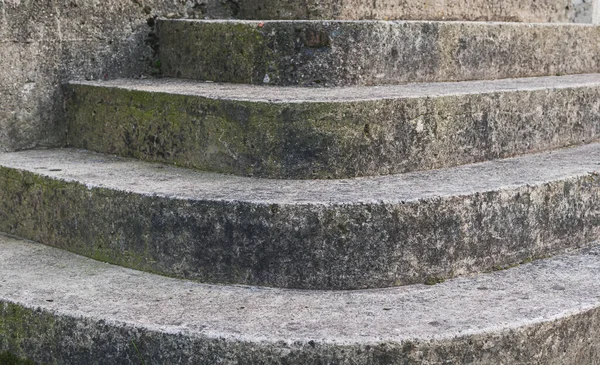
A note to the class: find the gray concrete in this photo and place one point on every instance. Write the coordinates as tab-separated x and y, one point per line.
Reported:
290	132
578	11
582	11
46	43
56	307
344	234
293	95
337	53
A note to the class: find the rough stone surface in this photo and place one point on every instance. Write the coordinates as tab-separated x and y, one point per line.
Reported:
579	11
344	234
305	133
584	11
45	43
56	307
336	53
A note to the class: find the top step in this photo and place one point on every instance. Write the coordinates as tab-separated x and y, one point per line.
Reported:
344	53
556	11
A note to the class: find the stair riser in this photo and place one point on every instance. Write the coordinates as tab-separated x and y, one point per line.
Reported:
310	246
372	53
477	10
56	338
329	139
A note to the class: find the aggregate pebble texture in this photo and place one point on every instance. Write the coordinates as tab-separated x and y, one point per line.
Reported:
46	43
304	133
578	11
341	53
56	307
311	234
60	308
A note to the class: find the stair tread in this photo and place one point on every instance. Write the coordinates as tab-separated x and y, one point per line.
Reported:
37	276
291	94
372	21
123	174
307	234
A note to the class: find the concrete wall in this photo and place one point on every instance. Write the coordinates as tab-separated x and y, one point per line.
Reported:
584	11
46	42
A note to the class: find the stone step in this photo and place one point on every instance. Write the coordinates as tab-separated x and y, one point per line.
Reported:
300	133
60	308
341	53
310	234
474	10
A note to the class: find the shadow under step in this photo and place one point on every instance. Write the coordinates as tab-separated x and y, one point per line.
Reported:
320	234
57	307
301	133
343	53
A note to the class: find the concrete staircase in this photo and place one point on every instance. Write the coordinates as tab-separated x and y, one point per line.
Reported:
319	192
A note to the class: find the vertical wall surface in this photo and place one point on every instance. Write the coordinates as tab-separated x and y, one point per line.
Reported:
596	12
44	43
584	11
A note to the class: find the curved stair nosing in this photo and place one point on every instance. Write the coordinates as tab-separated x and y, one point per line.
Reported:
61	308
328	234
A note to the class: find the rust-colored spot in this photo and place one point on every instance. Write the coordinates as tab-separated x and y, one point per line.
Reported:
316	39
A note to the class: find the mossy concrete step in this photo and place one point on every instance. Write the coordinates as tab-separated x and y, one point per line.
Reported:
474	10
341	53
320	234
59	308
306	133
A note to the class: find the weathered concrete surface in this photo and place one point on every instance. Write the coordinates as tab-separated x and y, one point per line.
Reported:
331	133
578	11
584	11
336	53
45	43
368	232
56	307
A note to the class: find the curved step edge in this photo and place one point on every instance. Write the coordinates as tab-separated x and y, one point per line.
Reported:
56	307
323	234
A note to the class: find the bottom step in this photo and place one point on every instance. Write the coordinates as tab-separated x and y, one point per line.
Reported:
57	307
